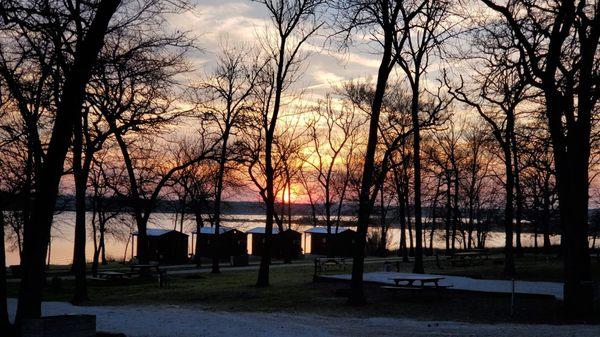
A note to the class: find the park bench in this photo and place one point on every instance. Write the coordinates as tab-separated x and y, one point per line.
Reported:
145	269
416	282
469	258
328	264
111	275
424	281
164	279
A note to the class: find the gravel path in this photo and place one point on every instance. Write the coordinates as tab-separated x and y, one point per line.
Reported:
185	321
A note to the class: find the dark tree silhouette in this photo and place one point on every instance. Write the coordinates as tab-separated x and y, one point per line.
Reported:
557	48
496	98
4	322
69	103
333	135
134	91
427	31
294	23
225	102
377	18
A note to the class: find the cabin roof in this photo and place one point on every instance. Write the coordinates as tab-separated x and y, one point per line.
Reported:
323	230
211	230
158	232
261	230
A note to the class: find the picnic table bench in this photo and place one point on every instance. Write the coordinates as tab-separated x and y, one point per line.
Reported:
111	275
145	269
423	280
469	258
328	264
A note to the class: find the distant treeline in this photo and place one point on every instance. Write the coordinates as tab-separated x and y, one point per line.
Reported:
67	203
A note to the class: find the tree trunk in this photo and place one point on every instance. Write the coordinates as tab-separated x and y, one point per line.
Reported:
456	212
199	225
573	201
4	322
269	127
80	174
357	295
546	215
434	215
509	263
103	244
448	210
95	234
519	197
409	227
142	239
217	211
402	251
329	237
265	261
418	268
382	249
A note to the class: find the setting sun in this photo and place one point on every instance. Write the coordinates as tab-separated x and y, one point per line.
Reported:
290	195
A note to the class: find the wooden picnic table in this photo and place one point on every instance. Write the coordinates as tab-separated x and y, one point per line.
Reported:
144	268
111	275
328	264
411	279
467	258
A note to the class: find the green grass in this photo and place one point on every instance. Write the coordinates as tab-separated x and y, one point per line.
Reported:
293	291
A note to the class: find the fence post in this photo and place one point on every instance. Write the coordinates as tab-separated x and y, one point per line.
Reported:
512	299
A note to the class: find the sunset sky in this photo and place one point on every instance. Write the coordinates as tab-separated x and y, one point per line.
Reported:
217	22
242	21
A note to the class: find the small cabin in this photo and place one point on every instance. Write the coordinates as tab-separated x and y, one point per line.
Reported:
289	241
166	246
342	241
345	242
232	242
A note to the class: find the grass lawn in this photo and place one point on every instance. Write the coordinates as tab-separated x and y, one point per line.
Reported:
292	290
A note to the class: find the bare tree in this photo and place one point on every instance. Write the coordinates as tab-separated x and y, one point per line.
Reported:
294	22
225	100
476	166
136	98
427	32
498	93
198	180
449	157
106	207
538	179
557	48
7	137
333	136
379	20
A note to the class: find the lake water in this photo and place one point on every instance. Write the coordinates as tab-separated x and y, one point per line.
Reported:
118	246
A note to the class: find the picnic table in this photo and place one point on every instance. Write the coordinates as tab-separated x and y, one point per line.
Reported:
144	269
469	258
328	264
411	279
111	275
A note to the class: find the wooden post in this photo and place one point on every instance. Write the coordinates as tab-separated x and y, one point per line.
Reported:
49	253
512	299
193	246
132	245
